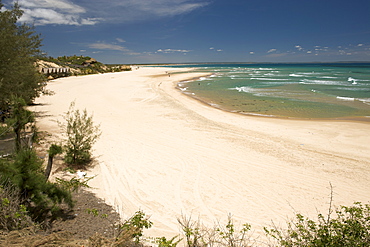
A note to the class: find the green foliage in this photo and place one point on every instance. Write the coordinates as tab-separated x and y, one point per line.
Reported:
41	198
81	64
55	149
70	170
81	135
73	184
19	119
135	226
229	236
96	213
13	215
198	235
19	48
163	242
350	228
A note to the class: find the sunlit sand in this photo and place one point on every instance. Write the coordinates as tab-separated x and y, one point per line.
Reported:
170	155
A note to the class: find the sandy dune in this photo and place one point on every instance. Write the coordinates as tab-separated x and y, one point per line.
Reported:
168	154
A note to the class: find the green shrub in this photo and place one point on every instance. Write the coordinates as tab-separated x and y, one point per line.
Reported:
41	198
81	135
350	228
230	235
13	214
134	226
163	242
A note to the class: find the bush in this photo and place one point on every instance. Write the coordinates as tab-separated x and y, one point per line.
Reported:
13	214
198	235
350	228
40	197
134	226
81	135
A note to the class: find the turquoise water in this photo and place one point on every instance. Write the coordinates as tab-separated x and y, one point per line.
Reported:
285	90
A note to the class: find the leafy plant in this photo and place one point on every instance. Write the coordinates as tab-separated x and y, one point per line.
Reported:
198	235
81	135
135	225
193	231
350	228
40	197
13	214
163	242
229	236
74	183
96	213
19	119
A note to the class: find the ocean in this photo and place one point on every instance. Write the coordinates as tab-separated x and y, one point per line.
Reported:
303	91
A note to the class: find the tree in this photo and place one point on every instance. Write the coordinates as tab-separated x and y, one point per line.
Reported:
19	119
81	135
53	150
19	48
41	198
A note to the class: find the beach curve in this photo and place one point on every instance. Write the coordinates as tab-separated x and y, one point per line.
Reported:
168	154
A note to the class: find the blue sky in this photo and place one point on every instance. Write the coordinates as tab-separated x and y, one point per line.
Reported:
177	31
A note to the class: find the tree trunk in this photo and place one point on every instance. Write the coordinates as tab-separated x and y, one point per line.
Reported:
49	166
18	143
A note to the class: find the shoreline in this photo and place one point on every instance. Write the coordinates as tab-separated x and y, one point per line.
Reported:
165	153
313	107
203	101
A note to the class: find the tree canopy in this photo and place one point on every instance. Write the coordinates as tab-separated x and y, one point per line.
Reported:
20	45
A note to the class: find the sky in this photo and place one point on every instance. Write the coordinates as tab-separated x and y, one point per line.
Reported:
183	31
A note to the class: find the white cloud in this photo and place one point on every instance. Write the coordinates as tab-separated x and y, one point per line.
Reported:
271	50
251	52
120	40
62	12
219	50
90	12
299	48
63	5
172	51
104	46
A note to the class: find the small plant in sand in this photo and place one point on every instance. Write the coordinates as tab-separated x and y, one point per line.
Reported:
163	242
13	214
74	184
230	235
81	135
350	228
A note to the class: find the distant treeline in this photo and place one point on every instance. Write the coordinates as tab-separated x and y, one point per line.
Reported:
81	65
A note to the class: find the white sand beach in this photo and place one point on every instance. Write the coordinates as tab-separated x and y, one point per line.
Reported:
170	155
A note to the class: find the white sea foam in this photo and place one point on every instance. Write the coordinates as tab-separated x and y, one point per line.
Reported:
350	88
296	75
267	79
345	98
242	89
323	82
353	80
365	101
329	77
350	79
